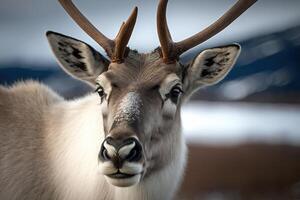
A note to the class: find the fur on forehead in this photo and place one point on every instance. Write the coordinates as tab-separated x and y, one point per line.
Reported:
142	68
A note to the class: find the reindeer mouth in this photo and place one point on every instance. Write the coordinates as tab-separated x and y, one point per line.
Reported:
123	180
130	173
120	175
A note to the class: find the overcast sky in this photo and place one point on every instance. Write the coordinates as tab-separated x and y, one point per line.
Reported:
24	22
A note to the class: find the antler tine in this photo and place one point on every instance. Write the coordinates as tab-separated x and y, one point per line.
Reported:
85	24
163	32
123	37
116	48
234	12
171	51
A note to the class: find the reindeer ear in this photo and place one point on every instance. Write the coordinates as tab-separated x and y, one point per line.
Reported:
211	66
76	57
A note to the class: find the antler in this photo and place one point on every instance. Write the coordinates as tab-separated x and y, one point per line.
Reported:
116	48
172	50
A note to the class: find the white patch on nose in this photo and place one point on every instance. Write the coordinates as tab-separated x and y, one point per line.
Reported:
111	151
125	150
129	108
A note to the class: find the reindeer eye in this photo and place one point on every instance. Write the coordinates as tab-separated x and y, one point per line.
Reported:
175	93
100	91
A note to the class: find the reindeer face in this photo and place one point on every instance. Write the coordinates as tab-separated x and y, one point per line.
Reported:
140	102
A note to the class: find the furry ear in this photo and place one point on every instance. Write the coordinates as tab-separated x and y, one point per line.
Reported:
210	66
76	57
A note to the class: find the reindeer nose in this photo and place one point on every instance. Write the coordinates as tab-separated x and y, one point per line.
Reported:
119	151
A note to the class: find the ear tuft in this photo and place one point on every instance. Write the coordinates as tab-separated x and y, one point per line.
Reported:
217	63
212	65
76	57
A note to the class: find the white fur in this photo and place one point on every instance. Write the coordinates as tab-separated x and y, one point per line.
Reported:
169	82
106	84
72	134
110	149
107	168
155	187
129	108
91	58
169	108
219	54
74	150
125	150
132	168
122	152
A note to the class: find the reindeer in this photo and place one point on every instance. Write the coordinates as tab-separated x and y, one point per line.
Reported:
122	141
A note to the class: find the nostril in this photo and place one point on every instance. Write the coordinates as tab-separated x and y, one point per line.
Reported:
131	156
129	150
135	154
105	154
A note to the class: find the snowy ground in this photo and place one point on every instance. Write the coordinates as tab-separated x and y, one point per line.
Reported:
230	123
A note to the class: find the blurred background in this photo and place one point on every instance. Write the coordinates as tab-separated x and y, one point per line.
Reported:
243	134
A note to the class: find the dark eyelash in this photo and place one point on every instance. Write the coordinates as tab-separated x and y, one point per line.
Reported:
97	87
100	91
179	87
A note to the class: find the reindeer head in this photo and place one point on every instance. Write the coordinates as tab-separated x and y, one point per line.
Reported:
141	94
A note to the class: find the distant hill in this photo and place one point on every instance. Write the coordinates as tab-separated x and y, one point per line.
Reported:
267	70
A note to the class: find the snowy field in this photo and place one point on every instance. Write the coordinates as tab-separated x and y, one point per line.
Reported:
231	123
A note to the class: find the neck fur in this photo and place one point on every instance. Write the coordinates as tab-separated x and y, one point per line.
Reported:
73	147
